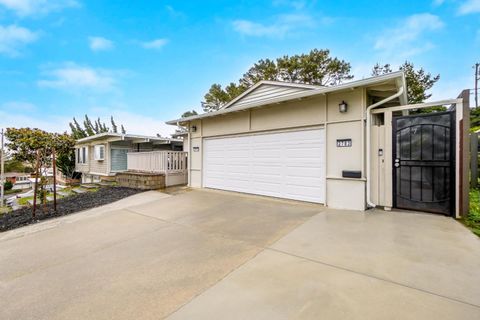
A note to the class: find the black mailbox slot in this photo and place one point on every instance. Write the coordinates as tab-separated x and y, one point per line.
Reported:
351	174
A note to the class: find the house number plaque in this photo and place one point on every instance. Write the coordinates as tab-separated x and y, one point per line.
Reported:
344	143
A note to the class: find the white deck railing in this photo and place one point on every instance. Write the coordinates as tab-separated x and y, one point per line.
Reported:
157	161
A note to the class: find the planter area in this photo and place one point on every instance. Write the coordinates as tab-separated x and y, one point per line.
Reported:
65	206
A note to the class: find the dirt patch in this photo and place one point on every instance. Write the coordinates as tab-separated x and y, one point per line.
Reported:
65	206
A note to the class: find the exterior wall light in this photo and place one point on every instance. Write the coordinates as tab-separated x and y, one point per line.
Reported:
194	128
343	107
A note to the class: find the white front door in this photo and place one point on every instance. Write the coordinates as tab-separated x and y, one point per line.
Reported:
280	164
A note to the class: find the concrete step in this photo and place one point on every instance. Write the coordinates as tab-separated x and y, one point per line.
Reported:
89	186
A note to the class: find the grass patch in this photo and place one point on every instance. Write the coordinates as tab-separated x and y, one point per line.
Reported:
14	191
472	220
24	201
4	210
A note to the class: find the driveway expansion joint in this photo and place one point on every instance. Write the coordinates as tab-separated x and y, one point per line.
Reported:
373	277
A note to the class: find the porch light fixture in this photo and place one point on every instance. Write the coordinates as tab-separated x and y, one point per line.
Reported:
342	107
194	128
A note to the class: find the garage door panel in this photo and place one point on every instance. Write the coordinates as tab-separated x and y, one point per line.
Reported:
307	172
287	165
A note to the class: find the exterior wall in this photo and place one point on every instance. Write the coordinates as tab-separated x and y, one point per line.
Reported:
92	166
289	115
295	114
94	170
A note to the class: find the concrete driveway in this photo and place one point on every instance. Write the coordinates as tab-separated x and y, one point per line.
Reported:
218	255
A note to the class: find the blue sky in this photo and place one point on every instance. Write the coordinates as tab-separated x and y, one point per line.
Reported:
145	62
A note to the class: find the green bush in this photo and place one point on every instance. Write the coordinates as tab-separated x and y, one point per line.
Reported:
473	218
8	185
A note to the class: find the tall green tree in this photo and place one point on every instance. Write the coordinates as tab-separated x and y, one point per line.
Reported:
114	125
419	82
189	113
316	67
35	147
89	129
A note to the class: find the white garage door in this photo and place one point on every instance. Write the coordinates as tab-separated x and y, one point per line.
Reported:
285	164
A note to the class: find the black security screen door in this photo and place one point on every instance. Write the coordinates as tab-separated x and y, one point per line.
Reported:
423	162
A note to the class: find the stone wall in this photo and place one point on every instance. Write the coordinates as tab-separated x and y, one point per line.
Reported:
141	180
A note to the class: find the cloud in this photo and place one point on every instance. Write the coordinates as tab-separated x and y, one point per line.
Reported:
25	8
16	120
136	123
133	122
154	44
438	3
175	13
18	106
100	44
280	27
13	38
296	4
73	77
469	6
406	39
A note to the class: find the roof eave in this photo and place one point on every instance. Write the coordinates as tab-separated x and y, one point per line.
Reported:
323	90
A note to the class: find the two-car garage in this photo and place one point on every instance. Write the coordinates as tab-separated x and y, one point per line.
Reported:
288	164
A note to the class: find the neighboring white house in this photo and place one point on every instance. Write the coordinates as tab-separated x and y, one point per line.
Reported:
102	156
342	146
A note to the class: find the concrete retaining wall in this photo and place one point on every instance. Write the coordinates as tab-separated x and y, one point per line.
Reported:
141	180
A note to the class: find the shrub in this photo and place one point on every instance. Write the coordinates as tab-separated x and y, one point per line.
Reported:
8	185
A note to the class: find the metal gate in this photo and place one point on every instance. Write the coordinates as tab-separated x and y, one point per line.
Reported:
424	162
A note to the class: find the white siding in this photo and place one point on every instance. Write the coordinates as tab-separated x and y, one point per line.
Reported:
266	92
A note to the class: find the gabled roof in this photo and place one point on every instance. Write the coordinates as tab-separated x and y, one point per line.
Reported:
395	79
265	89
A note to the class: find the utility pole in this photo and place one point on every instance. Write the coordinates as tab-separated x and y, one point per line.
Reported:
2	173
477	77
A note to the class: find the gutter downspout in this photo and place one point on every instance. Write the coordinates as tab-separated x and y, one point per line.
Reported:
370	204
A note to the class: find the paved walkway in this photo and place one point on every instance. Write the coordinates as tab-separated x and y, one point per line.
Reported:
219	255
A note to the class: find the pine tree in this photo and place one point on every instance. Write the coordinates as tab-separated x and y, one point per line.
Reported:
114	126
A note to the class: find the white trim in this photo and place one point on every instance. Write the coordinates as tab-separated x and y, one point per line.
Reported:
419	105
97	152
399	75
269	131
272	83
126	136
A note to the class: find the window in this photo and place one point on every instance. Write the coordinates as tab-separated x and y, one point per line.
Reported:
99	152
82	155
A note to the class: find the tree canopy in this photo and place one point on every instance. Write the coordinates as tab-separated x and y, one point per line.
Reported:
189	113
316	67
90	128
419	82
24	143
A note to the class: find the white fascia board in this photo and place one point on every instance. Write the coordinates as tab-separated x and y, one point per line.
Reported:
321	91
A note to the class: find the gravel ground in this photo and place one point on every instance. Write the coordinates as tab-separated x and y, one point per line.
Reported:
68	205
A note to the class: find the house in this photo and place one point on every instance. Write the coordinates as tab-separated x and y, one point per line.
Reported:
102	156
19	180
343	146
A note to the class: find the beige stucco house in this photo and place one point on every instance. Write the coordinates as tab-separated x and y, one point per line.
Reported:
102	156
330	145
